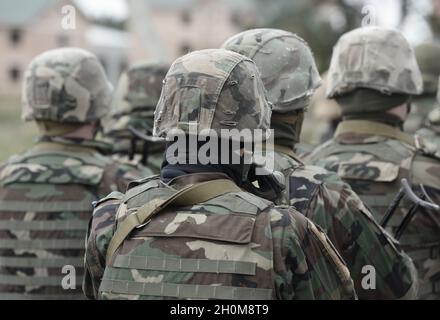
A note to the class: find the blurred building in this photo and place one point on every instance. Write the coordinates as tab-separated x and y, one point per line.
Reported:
28	28
167	29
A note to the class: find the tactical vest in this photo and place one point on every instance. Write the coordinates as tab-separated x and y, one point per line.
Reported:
377	181
299	190
45	204
193	252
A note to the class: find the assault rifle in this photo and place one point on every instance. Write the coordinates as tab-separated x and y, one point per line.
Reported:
422	202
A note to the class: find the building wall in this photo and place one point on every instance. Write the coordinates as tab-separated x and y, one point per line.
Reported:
43	33
205	25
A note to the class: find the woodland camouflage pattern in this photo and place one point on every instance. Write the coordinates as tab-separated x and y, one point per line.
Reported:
330	203
234	246
135	99
46	194
374	165
46	198
427	55
133	105
214	89
318	194
66	85
374	58
373	157
286	64
286	256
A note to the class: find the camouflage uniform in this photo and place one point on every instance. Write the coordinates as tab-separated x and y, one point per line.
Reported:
232	246
317	193
133	106
427	55
373	156
46	194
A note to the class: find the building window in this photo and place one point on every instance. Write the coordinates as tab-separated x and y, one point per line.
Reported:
15	36
63	40
186	17
14	74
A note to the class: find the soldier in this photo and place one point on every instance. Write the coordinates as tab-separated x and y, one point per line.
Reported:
372	75
130	126
46	194
428	59
290	75
217	241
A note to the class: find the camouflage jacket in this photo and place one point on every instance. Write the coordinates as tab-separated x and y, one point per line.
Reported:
46	197
329	202
234	246
374	164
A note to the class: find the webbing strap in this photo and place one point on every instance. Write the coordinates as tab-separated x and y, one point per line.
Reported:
190	195
38	206
40	297
25	262
36	244
50	281
189	291
185	265
374	128
39	225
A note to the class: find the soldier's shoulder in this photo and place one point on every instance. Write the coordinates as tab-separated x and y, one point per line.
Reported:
425	169
318	175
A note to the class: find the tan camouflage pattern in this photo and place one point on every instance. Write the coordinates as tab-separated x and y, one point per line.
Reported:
374	165
66	85
214	89
46	197
286	64
375	58
291	257
329	202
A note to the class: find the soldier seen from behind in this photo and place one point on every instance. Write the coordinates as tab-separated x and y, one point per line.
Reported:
373	75
193	233
46	193
130	125
290	76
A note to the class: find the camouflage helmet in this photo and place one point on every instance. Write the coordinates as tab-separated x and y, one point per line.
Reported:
66	85
374	58
286	64
135	98
428	58
212	89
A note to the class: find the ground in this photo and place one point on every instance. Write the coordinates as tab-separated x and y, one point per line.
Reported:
15	135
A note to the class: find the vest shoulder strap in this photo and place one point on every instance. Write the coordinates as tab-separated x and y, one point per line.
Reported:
190	195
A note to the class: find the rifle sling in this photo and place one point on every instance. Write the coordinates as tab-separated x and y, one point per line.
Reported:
374	128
